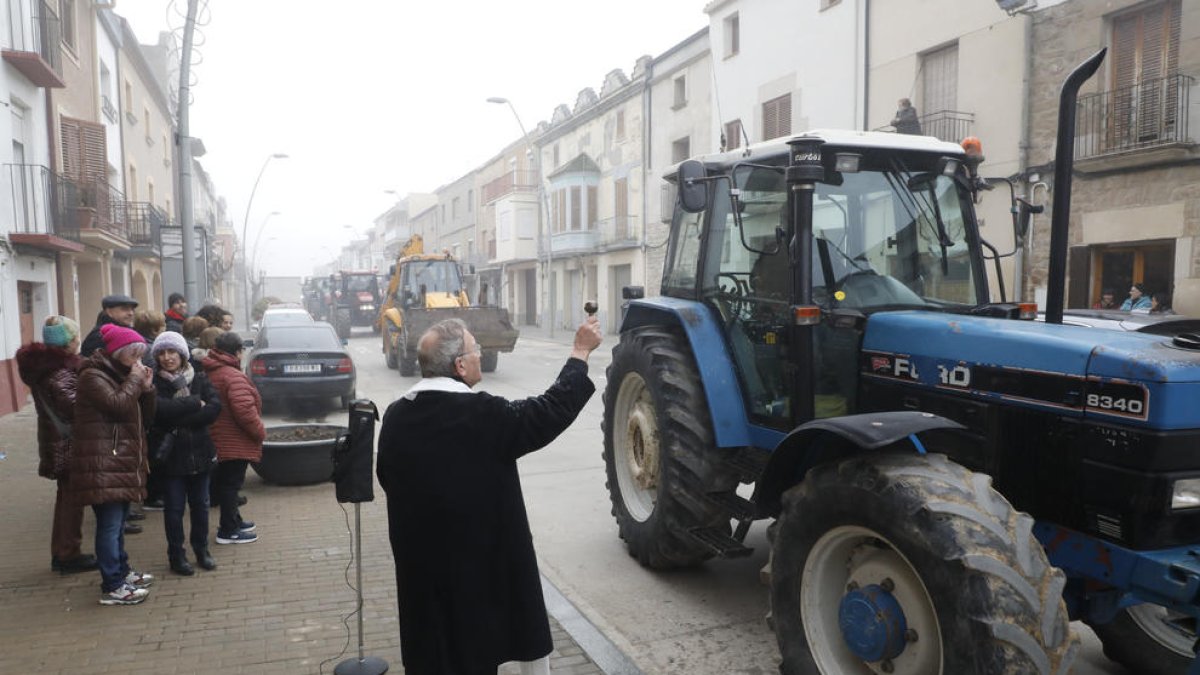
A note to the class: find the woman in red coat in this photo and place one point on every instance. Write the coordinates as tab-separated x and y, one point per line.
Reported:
238	434
49	368
114	400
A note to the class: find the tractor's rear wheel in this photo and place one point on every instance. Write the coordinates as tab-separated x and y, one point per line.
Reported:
912	565
341	322
658	450
1149	639
405	358
488	360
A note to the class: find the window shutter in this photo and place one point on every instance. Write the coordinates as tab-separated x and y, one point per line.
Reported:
621	188
592	207
72	147
939	80
777	117
95	152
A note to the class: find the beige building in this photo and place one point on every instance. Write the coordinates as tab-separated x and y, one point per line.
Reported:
593	157
964	67
509	224
1135	210
147	133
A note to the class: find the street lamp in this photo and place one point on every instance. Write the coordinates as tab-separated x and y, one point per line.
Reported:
245	222
543	207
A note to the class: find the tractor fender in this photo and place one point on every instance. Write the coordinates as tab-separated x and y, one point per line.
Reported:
824	440
716	371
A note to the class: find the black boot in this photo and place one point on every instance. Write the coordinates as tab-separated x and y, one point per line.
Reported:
205	560
81	563
182	567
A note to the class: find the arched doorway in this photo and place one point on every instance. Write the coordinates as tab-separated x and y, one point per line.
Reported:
158	290
141	289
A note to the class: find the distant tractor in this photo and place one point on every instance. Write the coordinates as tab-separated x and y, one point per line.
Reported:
426	288
354	301
951	481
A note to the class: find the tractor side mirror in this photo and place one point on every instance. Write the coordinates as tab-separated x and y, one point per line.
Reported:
693	188
633	292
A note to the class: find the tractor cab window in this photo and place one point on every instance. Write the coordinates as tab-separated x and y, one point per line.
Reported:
431	276
683	259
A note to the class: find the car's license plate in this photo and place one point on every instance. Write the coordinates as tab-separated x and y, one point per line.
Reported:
295	369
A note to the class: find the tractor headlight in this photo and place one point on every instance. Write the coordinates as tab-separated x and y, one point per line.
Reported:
1185	494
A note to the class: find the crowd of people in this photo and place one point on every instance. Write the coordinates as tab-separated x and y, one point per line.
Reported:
1139	300
148	411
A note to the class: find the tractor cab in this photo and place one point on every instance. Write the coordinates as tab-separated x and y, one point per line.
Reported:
879	222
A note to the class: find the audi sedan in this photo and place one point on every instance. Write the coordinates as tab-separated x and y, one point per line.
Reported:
301	362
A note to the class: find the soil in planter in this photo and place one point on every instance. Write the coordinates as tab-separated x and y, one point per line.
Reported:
301	433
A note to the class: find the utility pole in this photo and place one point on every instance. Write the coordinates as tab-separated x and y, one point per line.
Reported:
184	141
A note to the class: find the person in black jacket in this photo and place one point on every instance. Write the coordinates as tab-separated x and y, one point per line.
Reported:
116	309
187	405
469	594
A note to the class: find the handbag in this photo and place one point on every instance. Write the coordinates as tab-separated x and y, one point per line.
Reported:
163	450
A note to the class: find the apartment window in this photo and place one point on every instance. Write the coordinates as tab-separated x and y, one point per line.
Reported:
66	16
620	125
680	99
170	214
555	164
470	201
133	183
576	208
732	35
1145	51
593	207
128	96
621	208
150	191
733	135
777	117
681	150
454	208
939	80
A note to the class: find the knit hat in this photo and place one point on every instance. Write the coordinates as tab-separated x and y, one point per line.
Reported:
116	337
60	334
170	340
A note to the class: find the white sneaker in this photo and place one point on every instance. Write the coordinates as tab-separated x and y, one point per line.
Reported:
124	595
139	579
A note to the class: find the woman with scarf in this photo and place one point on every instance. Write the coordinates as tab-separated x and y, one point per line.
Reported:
114	398
187	405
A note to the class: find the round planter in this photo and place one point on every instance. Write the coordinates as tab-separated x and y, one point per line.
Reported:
298	454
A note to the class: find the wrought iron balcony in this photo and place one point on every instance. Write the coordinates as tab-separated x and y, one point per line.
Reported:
951	126
34	46
100	210
1147	115
41	217
513	181
145	226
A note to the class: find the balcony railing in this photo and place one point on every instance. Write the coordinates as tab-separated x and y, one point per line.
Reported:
100	206
1149	114
513	181
40	198
35	52
951	126
145	224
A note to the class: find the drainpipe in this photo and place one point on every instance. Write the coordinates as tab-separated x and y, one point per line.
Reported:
866	55
1023	158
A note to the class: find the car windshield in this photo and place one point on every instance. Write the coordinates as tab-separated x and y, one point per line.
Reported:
360	282
302	337
881	239
286	316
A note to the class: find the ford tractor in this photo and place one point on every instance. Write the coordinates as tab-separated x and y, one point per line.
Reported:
950	481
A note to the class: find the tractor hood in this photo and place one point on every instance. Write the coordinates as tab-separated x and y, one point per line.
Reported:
1135	378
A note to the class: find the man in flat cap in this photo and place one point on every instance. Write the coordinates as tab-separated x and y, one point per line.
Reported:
118	309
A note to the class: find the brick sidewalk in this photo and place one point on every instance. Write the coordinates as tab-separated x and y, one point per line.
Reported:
276	606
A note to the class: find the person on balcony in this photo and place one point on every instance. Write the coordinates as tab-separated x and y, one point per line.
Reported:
906	121
1137	300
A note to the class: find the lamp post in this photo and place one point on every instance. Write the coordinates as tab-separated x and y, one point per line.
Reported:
543	207
245	222
255	272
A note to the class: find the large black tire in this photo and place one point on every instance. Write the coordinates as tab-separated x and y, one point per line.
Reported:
406	359
963	565
1148	640
488	360
341	322
658	450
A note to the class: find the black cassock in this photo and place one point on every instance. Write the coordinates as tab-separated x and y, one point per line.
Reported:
467	578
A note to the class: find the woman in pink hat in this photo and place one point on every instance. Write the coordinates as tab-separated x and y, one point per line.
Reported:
108	461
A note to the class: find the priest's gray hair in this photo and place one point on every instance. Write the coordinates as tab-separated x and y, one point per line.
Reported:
440	346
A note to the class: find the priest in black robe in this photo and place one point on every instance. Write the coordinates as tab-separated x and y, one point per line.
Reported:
467	579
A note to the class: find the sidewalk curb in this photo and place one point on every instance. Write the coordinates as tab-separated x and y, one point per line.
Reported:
606	655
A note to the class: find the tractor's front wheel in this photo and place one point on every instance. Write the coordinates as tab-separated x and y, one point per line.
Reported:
1149	639
659	452
912	565
341	322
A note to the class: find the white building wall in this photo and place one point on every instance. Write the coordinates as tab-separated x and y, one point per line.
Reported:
788	47
107	58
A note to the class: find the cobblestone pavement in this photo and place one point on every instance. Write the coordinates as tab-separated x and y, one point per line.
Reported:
280	605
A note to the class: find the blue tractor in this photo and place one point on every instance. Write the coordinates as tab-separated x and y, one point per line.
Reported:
950	481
